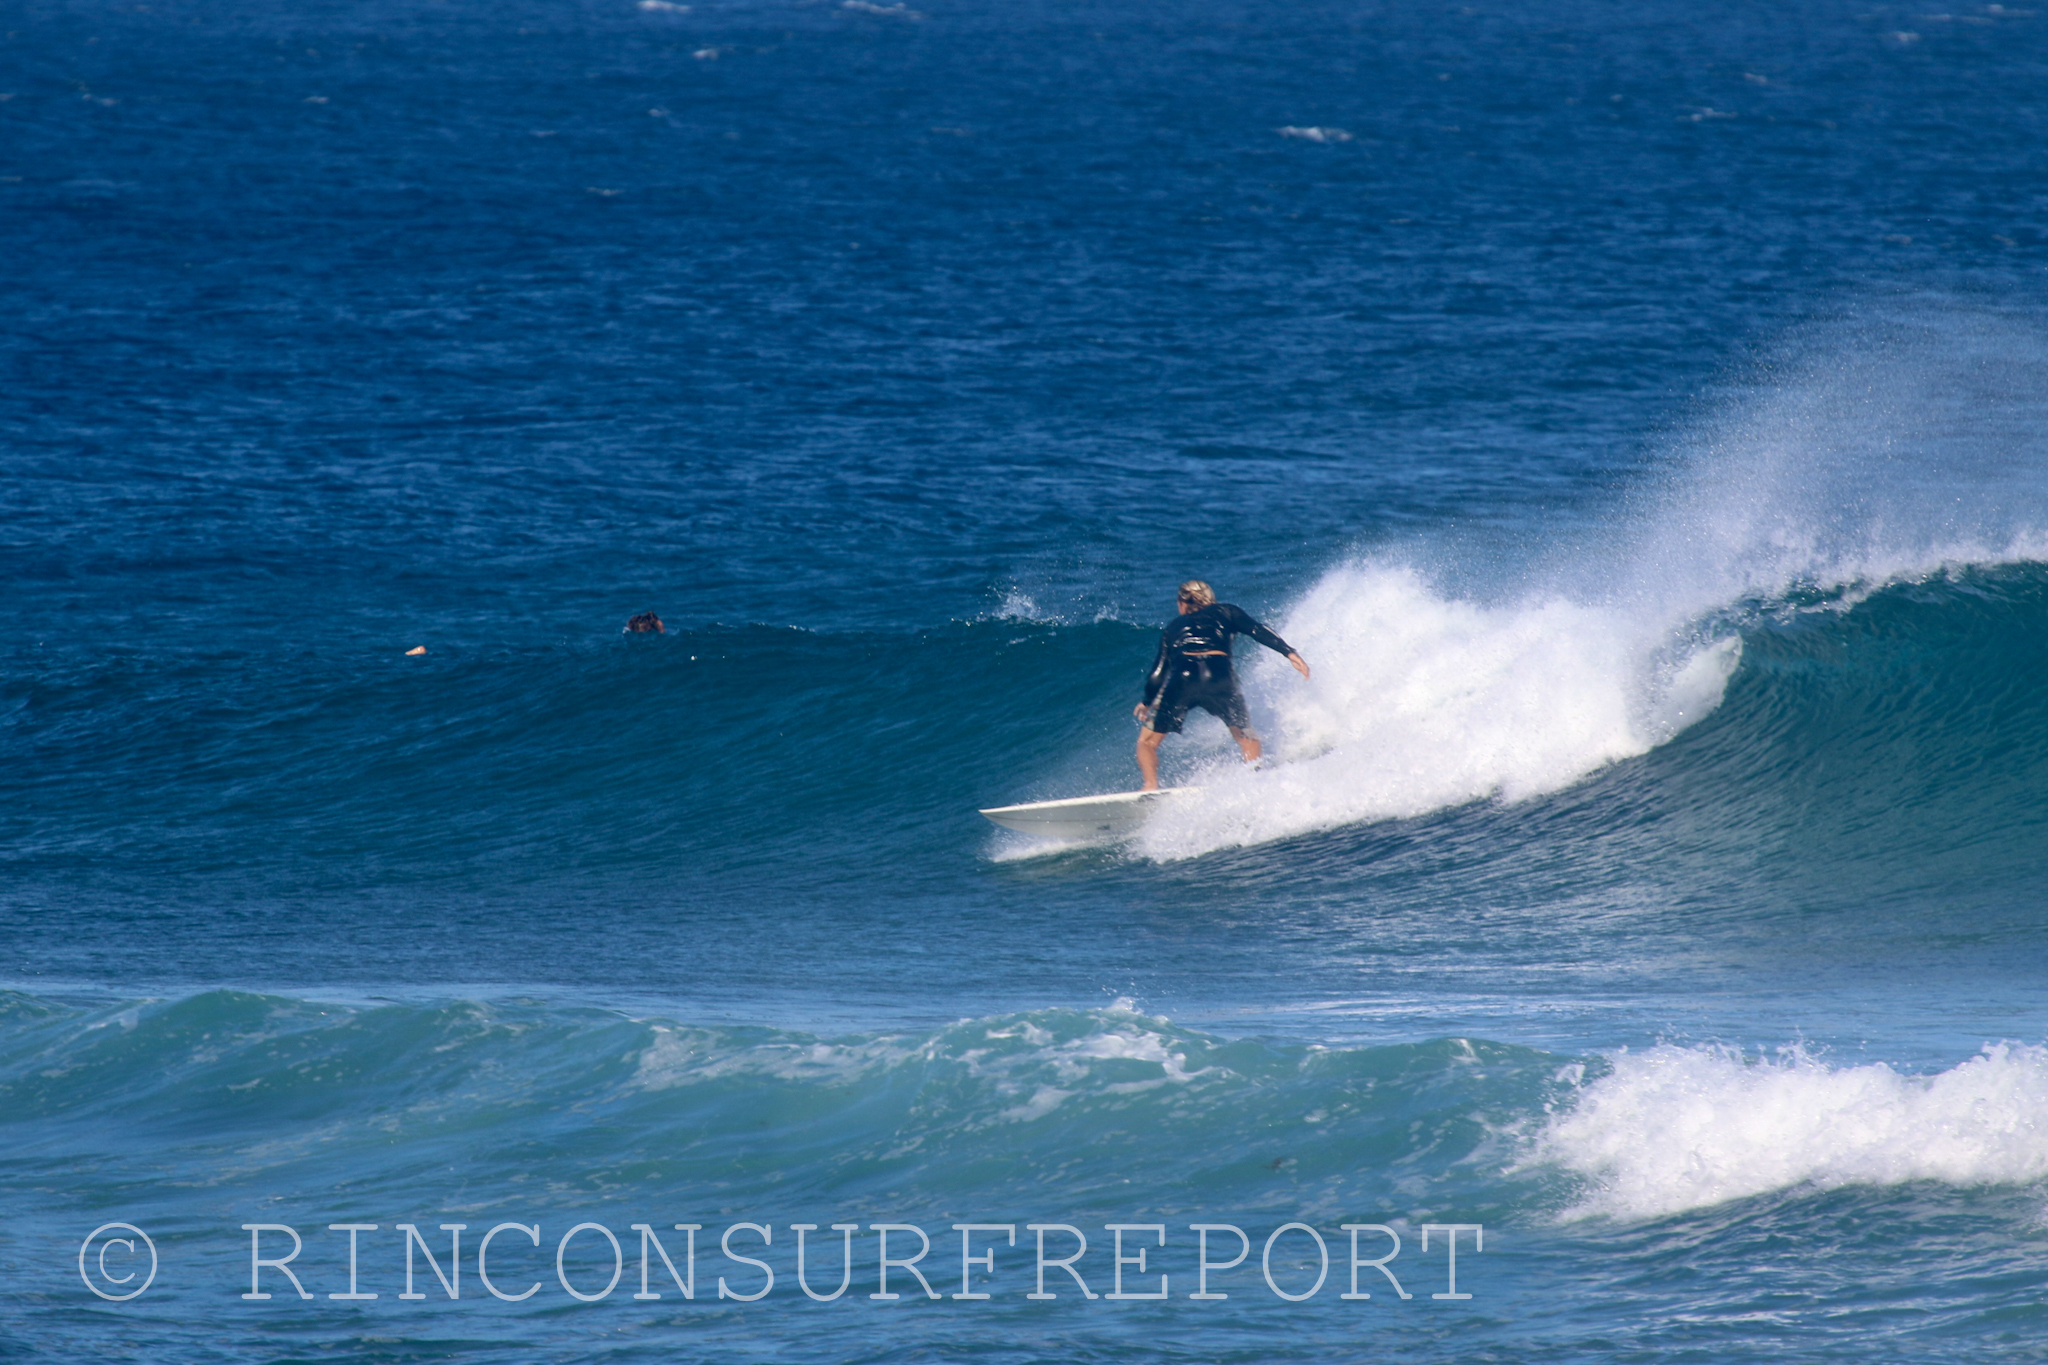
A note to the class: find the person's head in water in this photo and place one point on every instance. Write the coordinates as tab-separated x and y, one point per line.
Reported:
1195	594
646	621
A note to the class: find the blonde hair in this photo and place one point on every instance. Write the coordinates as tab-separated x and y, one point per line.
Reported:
1198	592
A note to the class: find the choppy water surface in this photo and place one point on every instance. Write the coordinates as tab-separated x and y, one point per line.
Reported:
1633	413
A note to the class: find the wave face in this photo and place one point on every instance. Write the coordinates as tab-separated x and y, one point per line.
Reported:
1855	749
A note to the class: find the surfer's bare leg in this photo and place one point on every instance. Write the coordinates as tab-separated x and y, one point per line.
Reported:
1149	741
1247	743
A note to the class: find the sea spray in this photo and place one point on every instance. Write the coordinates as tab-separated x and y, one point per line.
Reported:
1900	440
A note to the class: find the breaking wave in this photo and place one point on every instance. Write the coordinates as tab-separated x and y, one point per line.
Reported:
1670	1129
1919	458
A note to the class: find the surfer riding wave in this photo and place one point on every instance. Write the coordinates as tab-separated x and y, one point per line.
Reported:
1193	670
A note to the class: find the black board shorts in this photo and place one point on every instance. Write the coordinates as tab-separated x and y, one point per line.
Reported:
1204	681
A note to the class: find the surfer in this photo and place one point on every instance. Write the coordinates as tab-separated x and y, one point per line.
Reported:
1193	669
645	623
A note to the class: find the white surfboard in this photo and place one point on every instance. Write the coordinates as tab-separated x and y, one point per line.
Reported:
1092	818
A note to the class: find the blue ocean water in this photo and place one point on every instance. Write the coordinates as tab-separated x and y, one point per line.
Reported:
1637	415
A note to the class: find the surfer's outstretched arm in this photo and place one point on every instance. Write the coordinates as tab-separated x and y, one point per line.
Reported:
1242	623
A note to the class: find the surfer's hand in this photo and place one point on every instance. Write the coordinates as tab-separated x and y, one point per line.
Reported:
1141	710
1300	664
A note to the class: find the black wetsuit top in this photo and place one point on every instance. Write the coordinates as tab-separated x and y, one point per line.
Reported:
1209	630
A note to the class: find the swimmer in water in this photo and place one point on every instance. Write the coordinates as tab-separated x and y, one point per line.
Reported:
1193	669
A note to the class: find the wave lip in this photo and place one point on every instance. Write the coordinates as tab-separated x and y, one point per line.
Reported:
1672	1129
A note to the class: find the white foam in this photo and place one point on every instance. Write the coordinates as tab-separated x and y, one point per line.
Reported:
1420	700
1022	1067
676	1057
1072	1064
1042	1102
1675	1128
1017	605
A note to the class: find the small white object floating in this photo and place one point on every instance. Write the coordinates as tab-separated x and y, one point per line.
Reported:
1096	819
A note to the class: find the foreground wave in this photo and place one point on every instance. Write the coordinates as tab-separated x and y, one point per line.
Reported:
1048	1105
230	1126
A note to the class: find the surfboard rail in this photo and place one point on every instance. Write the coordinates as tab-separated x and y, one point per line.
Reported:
1091	818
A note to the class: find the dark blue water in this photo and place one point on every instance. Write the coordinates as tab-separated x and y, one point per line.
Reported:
1634	414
